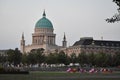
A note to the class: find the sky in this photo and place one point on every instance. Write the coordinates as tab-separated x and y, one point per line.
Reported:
77	18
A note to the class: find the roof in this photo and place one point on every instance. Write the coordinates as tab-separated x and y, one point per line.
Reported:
85	41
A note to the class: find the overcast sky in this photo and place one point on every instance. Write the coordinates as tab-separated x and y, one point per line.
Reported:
77	18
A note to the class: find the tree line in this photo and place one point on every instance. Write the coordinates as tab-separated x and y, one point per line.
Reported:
37	56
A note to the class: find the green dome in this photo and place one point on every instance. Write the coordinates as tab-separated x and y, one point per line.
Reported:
44	22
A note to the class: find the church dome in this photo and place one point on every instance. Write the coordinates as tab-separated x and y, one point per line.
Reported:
44	22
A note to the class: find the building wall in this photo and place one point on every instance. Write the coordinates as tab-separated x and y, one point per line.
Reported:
43	35
91	49
28	48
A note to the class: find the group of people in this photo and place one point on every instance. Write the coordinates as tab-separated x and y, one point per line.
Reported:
92	70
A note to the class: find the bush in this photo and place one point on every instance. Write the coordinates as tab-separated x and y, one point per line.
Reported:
11	70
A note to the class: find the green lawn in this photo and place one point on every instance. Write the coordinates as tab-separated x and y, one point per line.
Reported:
36	75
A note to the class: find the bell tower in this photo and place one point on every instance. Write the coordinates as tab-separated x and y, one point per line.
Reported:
22	45
64	42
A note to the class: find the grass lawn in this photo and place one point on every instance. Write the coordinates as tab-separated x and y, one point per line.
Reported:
37	75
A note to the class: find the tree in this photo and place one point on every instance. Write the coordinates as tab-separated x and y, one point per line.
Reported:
67	61
24	59
35	56
11	56
73	58
40	55
31	58
3	58
116	17
14	56
18	57
83	58
91	59
101	59
51	58
117	59
108	60
63	58
117	2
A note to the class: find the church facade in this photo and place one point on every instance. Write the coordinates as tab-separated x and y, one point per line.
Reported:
44	37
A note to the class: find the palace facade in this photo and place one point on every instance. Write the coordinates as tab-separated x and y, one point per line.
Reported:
89	45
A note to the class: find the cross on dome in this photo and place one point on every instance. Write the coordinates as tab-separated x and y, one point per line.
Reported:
44	15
